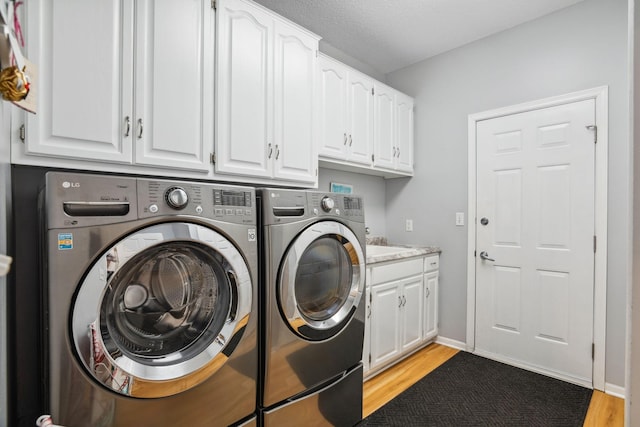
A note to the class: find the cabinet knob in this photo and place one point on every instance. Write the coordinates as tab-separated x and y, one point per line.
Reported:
270	148
127	126
394	151
140	128
345	138
277	152
350	140
398	152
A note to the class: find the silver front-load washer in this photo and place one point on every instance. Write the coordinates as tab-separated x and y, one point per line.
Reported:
313	308
151	301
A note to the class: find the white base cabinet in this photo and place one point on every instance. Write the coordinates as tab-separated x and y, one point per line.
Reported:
401	310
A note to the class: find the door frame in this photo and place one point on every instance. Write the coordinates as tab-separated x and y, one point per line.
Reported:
600	95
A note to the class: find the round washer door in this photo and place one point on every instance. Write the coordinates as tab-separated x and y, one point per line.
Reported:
161	310
321	280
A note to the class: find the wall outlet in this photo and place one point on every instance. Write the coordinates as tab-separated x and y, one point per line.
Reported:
408	225
459	219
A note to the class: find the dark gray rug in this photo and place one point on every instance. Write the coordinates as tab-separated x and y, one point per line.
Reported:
469	390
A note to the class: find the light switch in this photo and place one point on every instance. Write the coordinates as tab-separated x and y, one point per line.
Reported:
459	219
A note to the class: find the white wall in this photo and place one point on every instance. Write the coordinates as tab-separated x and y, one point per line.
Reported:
576	48
336	53
372	188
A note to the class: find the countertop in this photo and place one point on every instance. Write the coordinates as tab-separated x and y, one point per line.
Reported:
376	253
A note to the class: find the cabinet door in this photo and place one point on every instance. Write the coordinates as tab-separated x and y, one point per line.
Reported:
385	322
360	135
173	124
332	110
404	136
244	143
84	54
384	135
412	307
430	315
294	90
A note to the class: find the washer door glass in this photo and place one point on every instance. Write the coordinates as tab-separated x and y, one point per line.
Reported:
158	312
322	280
164	300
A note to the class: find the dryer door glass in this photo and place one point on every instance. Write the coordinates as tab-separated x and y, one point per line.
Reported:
162	309
321	280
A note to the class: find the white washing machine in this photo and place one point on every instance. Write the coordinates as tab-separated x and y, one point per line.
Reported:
151	301
313	308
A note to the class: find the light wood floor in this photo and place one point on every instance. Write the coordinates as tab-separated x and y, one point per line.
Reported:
604	410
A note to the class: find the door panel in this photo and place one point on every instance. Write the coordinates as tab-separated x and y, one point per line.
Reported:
244	112
333	108
385	322
72	124
412	303
295	65
535	186
174	91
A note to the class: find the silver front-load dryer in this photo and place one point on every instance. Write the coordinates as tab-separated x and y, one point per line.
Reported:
151	301
313	308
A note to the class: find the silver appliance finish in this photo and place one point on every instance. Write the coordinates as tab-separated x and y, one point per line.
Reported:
314	307
151	301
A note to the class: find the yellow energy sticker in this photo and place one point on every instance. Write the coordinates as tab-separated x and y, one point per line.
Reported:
65	241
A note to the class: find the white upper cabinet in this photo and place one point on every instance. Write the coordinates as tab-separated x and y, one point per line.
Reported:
404	133
346	112
393	129
295	157
122	84
174	83
265	83
384	136
360	101
364	126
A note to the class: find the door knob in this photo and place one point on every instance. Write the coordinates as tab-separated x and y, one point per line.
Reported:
484	255
484	220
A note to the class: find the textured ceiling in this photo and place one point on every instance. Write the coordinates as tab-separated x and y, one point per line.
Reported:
392	34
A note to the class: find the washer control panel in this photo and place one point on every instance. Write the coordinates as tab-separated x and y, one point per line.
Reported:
213	201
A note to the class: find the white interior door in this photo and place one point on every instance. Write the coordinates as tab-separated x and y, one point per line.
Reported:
535	223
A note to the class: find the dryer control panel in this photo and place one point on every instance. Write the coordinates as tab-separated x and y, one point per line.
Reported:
284	206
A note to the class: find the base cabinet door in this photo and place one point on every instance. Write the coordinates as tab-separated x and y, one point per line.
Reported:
430	314
385	322
411	316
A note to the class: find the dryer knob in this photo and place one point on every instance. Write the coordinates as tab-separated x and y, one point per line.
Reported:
327	204
176	198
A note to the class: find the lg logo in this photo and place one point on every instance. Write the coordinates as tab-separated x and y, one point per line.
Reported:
68	184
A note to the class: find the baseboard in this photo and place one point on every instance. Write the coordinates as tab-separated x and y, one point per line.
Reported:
451	343
615	390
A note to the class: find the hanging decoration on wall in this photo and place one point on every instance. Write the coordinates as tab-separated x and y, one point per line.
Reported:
17	74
